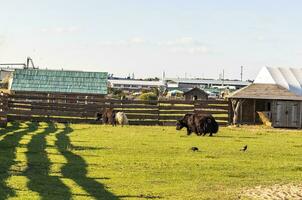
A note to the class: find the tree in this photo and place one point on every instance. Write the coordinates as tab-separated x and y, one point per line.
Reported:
236	104
148	96
5	82
155	91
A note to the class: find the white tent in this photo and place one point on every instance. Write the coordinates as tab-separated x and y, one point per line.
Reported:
289	78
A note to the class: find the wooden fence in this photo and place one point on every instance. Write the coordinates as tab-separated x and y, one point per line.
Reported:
82	109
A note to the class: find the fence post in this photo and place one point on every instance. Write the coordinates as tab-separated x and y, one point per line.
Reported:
4	109
158	112
230	112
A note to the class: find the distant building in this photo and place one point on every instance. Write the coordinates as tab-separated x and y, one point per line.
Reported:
196	94
134	85
184	84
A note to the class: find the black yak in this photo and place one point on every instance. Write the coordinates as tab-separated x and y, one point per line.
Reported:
107	116
209	125
188	122
198	123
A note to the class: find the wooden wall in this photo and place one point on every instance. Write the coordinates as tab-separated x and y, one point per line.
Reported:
82	109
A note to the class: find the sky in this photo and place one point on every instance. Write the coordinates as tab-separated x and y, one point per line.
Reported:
184	38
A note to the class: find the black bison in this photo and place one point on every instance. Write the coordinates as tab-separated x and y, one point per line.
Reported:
188	122
107	116
198	123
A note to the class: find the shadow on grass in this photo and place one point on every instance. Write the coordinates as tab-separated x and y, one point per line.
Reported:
76	168
38	170
140	196
10	128
224	136
8	154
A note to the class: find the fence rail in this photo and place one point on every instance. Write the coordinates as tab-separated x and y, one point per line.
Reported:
82	109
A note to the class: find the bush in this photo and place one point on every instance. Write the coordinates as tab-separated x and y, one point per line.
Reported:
145	91
148	96
5	82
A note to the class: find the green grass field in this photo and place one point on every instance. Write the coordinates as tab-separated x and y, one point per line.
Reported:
56	161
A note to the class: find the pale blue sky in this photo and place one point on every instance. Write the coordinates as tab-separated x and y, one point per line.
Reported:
196	37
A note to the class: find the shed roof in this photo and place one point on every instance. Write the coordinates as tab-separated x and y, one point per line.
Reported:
265	91
288	78
38	80
196	89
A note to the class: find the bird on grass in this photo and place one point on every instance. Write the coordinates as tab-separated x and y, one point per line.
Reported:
244	148
194	149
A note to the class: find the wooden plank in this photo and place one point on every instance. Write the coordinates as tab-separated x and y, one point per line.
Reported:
176	108
71	98
170	117
151	102
50	104
211	104
193	102
51	119
175	102
50	113
133	106
58	107
114	101
171	123
174	112
139	111
213	107
142	117
212	112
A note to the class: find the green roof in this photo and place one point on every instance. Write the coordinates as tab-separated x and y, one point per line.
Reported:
39	80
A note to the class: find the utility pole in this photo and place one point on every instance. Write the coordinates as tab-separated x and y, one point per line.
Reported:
241	73
222	77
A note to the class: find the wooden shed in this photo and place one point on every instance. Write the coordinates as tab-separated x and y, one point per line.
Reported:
196	94
270	99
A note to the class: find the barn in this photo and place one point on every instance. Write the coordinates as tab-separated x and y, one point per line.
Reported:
58	83
275	98
196	94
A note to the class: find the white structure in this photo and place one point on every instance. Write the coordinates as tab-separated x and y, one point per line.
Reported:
132	85
202	83
288	78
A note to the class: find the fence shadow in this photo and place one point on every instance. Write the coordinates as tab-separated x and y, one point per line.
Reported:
10	128
76	168
8	154
38	170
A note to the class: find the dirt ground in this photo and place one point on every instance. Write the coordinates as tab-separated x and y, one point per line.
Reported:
275	192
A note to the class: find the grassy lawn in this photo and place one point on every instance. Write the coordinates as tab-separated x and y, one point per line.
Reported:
57	161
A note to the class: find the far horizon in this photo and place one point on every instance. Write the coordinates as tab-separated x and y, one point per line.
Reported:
196	39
